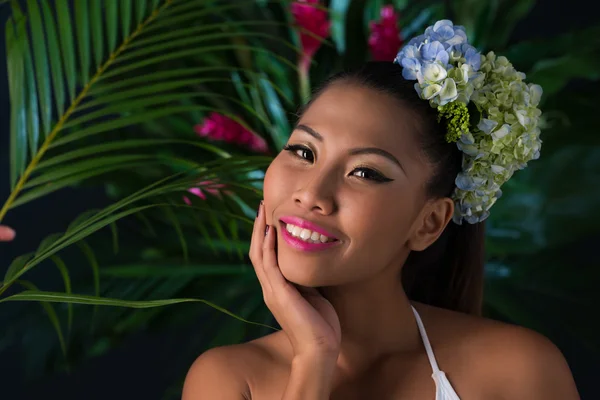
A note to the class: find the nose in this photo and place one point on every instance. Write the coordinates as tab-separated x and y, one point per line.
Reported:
316	194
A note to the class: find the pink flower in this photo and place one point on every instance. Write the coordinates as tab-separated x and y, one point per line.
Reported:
210	187
385	40
314	20
220	127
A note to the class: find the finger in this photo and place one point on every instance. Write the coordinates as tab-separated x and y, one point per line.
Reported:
256	246
270	266
6	234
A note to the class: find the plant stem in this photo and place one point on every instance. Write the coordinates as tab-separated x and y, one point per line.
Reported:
304	78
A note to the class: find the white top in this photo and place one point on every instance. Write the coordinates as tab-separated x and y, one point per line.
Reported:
443	388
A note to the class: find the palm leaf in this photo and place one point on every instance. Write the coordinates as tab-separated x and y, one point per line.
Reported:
112	56
52	297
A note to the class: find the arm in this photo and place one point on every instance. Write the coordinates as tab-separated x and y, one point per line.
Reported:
213	376
310	378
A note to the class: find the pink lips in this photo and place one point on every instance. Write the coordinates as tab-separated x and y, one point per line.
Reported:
300	244
306	225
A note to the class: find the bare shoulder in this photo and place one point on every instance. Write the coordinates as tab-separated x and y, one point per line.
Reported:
227	372
513	361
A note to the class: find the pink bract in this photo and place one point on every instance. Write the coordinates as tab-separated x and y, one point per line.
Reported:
385	40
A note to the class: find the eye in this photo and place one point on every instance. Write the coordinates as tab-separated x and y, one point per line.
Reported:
370	174
306	154
300	151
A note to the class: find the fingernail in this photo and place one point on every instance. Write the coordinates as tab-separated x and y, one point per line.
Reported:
266	230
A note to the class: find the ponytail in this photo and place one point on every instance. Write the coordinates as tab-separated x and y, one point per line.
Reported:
449	273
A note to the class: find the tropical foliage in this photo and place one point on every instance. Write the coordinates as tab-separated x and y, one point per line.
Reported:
176	107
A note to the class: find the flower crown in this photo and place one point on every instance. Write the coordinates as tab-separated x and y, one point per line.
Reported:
490	112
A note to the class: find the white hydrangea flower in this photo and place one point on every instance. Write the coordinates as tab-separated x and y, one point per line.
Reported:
448	69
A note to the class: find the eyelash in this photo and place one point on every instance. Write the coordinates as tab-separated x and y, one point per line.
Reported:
379	177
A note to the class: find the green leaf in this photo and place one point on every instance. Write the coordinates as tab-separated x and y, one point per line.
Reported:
140	10
31	102
525	54
177	226
554	74
82	22
51	315
509	14
18	265
173	270
337	16
95	11
91	257
55	63
233	230
67	47
126	121
115	237
281	130
81	219
64	272
47	242
36	295
111	25
38	192
146	223
126	17
127	144
194	51
16	83
42	72
94	165
203	231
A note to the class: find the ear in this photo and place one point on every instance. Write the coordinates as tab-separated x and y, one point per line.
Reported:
430	223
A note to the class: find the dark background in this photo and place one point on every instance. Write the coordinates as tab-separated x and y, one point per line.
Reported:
140	367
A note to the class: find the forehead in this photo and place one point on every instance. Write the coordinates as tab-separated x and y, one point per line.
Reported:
362	116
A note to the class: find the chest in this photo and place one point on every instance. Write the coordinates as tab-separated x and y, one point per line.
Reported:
398	379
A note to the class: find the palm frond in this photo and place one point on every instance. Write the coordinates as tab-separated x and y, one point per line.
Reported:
50	297
112	57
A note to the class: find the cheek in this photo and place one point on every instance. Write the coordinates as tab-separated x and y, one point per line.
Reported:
378	220
276	186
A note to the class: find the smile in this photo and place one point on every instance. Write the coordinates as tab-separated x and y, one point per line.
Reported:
305	236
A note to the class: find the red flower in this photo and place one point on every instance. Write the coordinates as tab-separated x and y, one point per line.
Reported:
314	20
220	127
210	187
385	40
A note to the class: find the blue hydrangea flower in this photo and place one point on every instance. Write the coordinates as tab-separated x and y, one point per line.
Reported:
448	69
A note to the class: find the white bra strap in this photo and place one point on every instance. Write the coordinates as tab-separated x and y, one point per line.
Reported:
426	343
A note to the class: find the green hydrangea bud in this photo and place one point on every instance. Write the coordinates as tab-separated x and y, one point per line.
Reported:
457	120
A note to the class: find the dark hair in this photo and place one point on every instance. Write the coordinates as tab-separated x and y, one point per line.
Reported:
449	273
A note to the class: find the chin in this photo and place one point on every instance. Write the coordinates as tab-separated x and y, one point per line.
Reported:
302	273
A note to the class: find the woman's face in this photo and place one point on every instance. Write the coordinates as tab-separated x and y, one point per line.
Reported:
354	170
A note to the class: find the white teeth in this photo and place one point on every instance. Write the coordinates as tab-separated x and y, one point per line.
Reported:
306	234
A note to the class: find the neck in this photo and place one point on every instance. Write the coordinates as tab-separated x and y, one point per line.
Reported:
376	320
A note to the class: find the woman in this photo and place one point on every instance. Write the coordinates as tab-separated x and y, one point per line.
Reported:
372	261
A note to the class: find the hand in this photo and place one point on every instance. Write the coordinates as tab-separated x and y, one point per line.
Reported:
308	319
6	234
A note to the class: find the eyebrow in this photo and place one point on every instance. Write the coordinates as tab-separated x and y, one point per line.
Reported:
356	151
